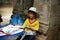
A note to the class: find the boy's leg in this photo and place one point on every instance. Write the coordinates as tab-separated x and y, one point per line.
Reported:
31	37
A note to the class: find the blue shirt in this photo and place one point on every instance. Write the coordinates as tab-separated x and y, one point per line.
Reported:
16	19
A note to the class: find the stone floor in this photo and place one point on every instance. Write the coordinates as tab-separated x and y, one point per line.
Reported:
41	37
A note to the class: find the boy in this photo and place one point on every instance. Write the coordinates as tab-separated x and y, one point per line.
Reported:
31	24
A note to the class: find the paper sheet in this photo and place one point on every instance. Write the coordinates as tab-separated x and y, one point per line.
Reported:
18	31
10	29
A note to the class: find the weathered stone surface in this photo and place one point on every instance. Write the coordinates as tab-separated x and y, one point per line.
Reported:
53	32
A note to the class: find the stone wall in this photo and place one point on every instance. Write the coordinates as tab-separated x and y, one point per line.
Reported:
6	13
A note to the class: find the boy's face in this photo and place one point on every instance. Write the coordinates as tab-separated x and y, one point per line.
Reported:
31	15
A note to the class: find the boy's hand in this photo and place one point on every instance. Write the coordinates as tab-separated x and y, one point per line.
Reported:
27	27
30	28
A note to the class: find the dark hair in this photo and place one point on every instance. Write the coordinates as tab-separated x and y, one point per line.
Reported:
14	11
1	19
34	13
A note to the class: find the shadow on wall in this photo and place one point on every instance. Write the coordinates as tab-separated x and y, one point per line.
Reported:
6	13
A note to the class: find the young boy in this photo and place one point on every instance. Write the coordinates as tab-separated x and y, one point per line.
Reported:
31	24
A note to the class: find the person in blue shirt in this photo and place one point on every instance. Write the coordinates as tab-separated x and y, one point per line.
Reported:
16	19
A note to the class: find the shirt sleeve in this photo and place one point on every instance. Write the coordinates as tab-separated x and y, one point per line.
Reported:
25	23
36	27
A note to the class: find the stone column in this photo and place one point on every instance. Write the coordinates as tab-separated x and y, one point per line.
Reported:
54	26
